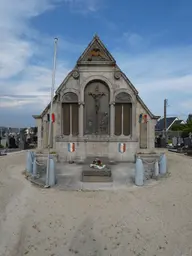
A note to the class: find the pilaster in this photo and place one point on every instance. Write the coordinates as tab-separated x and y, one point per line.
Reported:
112	118
81	118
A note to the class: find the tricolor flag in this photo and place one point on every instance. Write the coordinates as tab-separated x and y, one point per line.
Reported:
71	147
122	147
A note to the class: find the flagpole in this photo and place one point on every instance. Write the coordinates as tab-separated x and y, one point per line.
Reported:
51	111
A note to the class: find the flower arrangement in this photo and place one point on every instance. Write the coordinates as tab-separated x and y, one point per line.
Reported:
97	164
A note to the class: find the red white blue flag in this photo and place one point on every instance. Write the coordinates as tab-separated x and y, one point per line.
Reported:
71	146
122	147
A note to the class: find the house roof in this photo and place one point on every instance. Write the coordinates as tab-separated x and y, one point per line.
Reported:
169	120
177	122
96	42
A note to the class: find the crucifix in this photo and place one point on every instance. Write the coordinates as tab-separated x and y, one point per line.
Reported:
97	96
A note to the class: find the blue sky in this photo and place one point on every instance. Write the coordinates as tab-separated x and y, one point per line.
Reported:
150	40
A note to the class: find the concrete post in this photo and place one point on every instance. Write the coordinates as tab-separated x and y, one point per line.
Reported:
156	168
139	172
163	165
34	167
29	163
52	176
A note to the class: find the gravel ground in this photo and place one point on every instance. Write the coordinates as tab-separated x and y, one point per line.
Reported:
149	221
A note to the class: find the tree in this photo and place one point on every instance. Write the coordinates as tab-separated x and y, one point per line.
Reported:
184	128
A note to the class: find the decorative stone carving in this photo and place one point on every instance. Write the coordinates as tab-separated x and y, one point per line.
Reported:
75	74
117	75
70	97
96	108
123	97
96	53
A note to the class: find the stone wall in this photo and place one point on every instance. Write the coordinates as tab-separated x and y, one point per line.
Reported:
106	149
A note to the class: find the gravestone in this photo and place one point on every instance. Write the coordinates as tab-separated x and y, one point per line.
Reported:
174	141
187	142
180	141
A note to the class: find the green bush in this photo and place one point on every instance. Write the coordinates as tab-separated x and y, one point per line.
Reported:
1	146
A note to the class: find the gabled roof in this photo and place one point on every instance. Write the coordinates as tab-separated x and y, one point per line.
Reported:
96	53
177	122
169	120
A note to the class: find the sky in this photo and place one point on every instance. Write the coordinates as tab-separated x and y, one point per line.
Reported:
150	40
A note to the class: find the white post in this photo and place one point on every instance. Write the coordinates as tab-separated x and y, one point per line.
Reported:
51	110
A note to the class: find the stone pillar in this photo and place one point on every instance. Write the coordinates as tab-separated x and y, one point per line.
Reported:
134	128
112	119
44	134
39	133
59	117
81	118
151	134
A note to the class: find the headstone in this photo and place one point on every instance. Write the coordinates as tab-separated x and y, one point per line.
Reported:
187	142
180	141
174	141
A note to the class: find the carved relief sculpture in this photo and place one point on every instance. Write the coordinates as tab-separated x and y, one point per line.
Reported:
75	74
96	54
96	108
117	75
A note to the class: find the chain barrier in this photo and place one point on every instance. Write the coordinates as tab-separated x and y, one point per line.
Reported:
40	166
150	168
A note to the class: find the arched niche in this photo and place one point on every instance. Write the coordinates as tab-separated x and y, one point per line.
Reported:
70	97
123	97
96	110
70	114
123	114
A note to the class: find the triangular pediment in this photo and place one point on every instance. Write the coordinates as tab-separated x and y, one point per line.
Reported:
96	53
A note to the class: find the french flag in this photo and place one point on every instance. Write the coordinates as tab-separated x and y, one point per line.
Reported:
122	147
71	147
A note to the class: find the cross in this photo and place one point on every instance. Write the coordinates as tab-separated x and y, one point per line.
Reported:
96	96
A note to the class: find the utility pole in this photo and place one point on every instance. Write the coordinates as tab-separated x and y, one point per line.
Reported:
165	120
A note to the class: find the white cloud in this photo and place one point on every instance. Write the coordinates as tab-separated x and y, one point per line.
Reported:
159	74
84	6
133	39
19	43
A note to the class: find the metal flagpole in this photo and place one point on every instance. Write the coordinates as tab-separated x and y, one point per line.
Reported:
51	111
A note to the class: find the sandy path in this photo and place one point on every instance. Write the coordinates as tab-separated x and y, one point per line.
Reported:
150	221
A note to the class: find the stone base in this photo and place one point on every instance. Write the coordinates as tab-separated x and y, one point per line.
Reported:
94	175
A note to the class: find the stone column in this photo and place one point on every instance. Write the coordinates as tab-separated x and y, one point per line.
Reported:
134	128
112	119
59	117
81	118
39	133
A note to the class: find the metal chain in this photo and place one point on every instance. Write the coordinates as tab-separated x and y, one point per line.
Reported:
144	161
40	164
